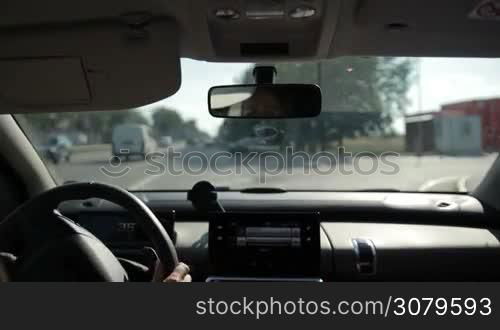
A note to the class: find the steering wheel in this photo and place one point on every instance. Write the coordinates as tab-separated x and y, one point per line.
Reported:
54	248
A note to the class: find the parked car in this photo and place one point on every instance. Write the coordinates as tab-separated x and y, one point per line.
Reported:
57	149
132	140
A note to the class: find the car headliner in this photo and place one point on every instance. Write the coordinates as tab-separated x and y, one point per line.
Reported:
70	55
340	27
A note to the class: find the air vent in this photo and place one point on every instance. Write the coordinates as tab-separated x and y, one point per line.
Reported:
366	256
264	49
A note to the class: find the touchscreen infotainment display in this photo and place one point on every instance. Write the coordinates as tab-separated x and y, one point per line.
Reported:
265	244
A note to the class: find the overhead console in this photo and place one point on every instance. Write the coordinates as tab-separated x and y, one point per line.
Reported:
264	246
262	29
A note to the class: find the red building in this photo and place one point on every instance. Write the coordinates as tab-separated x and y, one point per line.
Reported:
488	111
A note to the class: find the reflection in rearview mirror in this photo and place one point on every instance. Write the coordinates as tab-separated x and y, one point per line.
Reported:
265	101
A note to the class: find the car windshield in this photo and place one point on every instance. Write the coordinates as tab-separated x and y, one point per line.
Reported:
409	124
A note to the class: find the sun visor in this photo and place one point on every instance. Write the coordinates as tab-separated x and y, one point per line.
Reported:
87	68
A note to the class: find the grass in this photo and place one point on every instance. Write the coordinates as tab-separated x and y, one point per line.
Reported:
375	145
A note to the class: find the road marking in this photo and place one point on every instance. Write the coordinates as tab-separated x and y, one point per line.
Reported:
139	185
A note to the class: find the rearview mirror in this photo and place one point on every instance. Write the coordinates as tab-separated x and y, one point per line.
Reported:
265	101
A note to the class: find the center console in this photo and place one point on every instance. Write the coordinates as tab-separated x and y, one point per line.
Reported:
264	246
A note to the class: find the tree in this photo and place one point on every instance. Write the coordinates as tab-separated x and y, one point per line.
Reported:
169	122
98	125
166	121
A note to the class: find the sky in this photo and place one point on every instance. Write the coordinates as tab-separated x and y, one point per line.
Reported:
443	80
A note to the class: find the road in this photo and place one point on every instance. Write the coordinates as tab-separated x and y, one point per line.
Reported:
406	172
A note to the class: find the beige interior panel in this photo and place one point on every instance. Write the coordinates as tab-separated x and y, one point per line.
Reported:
98	66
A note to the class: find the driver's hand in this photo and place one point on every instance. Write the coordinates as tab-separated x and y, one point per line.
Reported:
180	274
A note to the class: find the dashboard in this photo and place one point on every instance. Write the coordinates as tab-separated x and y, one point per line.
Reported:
311	236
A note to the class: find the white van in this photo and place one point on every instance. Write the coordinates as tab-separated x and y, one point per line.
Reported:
132	140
